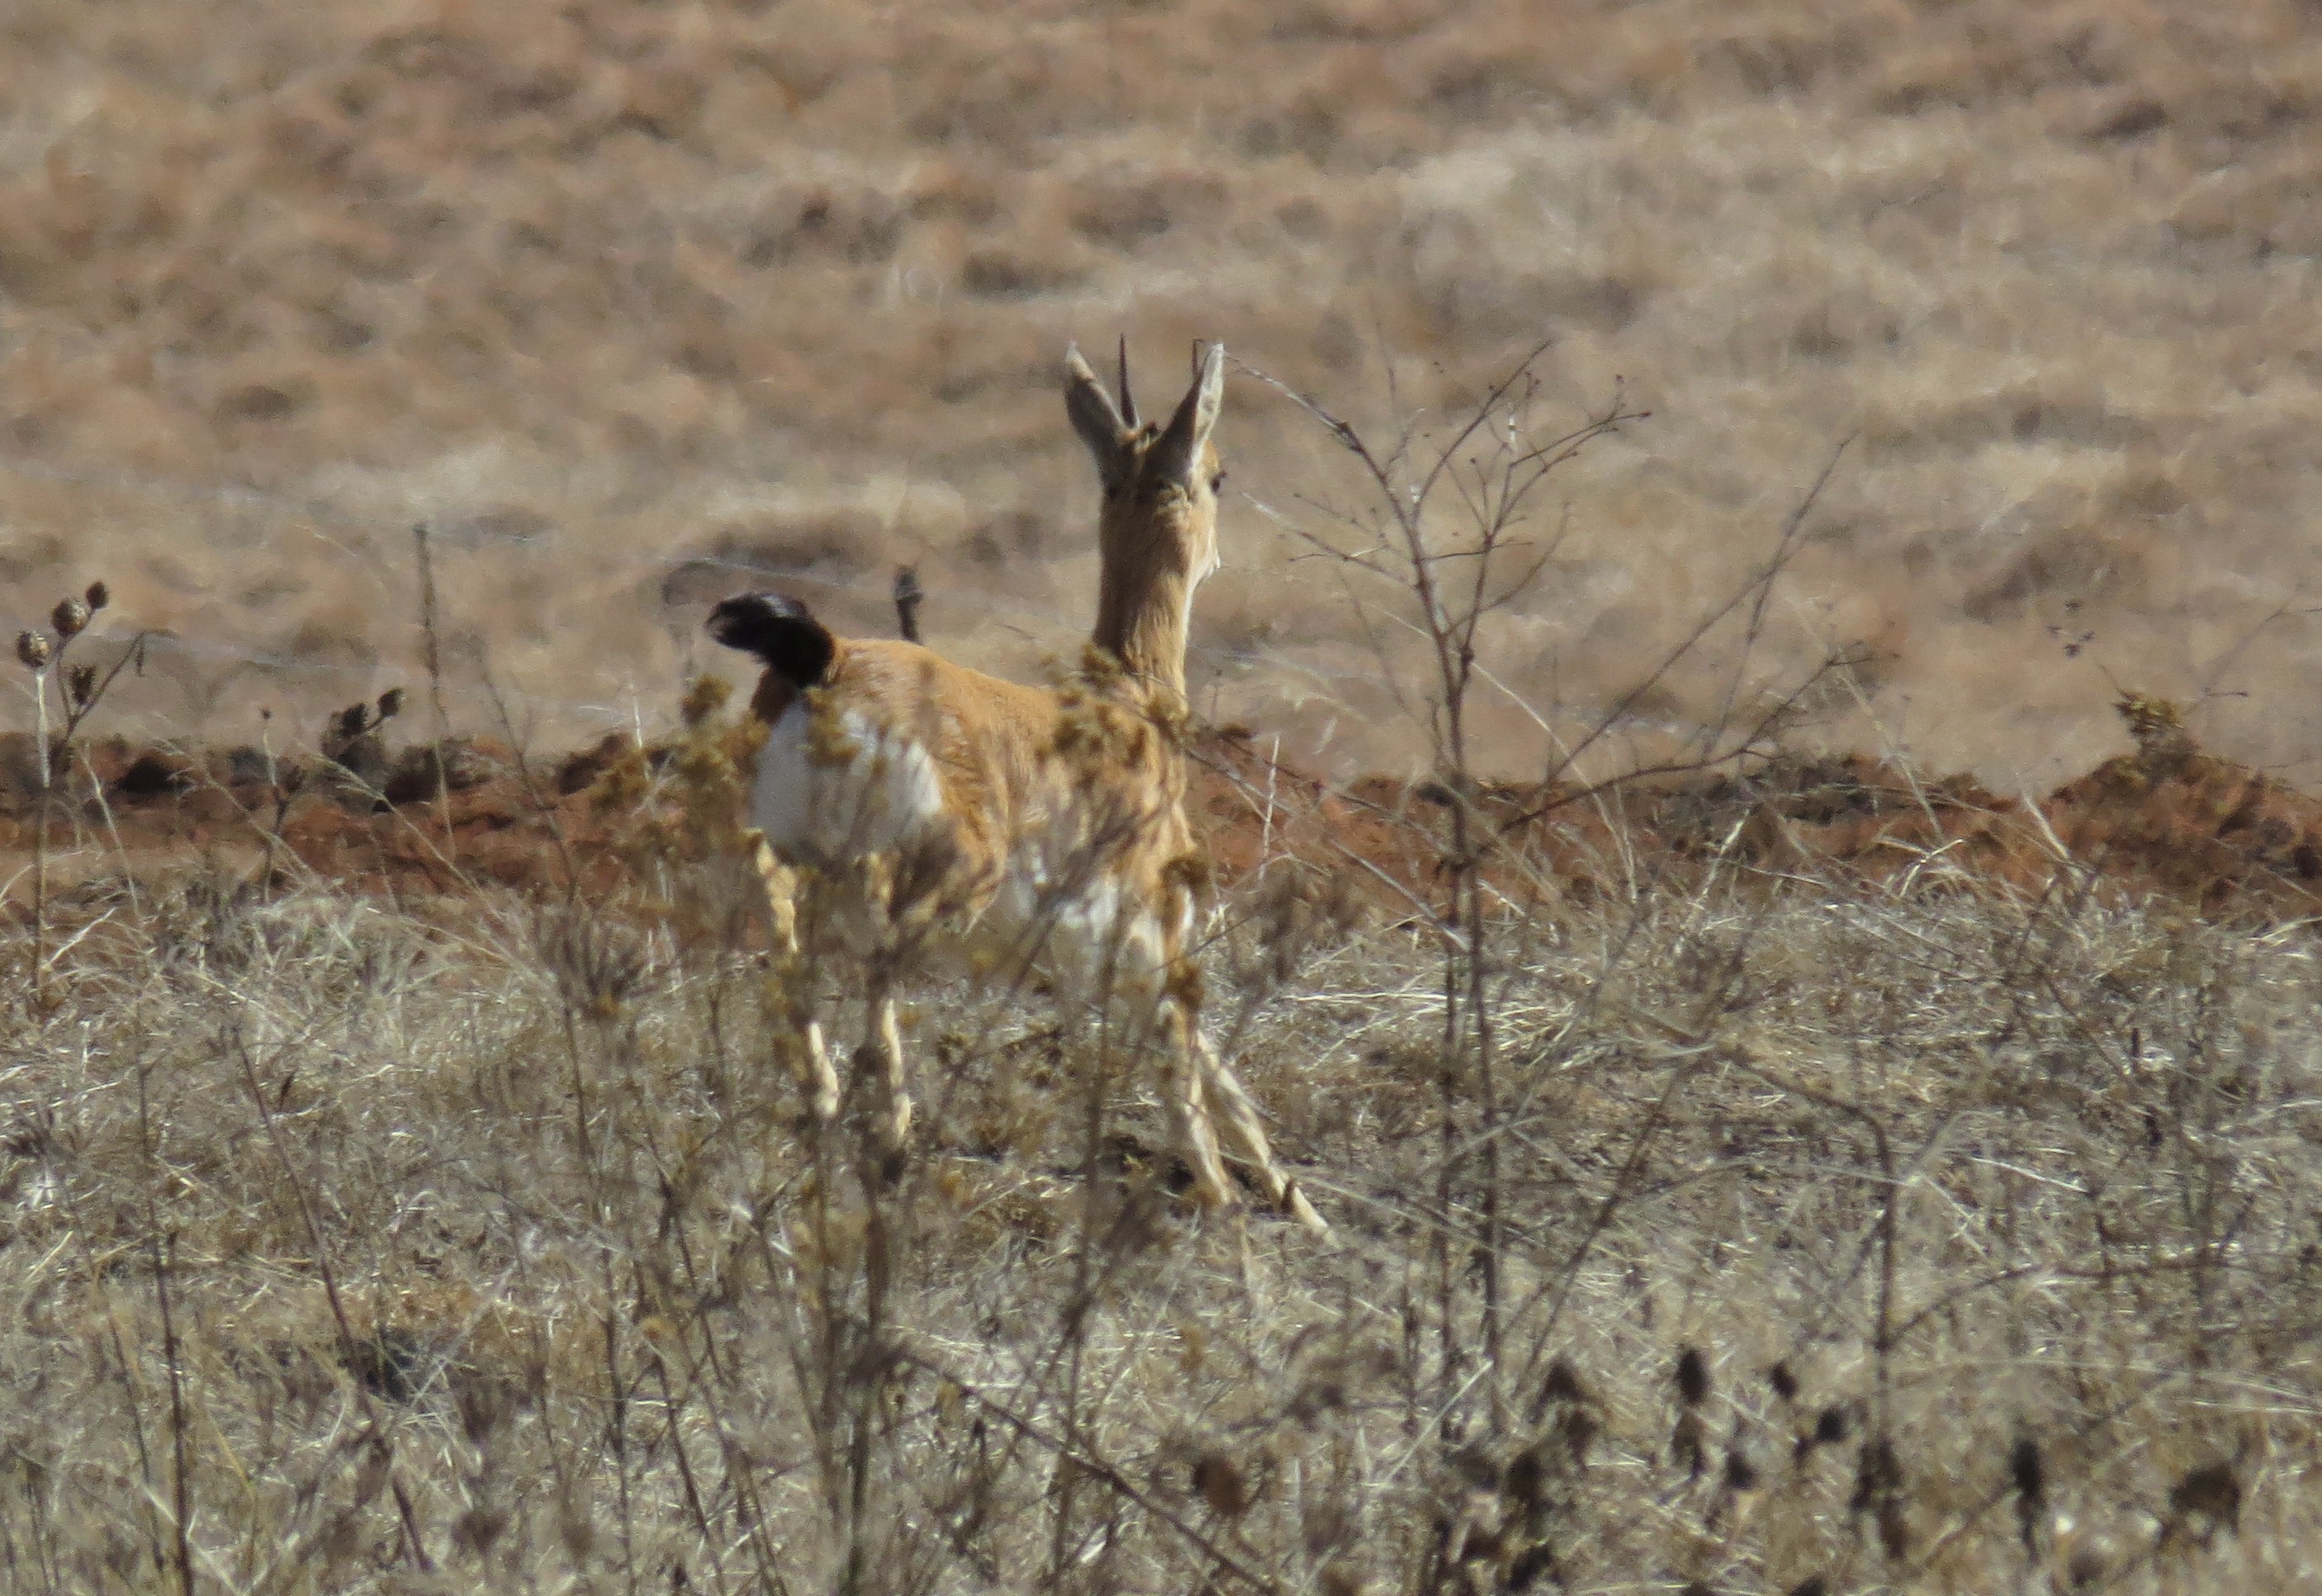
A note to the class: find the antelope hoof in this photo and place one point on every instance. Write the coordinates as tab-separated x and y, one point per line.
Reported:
1294	1204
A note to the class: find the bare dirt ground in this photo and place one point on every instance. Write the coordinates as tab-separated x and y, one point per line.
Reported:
632	303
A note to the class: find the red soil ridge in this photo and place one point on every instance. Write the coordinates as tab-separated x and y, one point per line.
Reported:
2167	823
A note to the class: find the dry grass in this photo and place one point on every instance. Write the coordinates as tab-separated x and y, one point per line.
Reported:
1934	1180
603	288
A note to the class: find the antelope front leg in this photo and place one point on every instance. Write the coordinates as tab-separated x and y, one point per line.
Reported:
822	1081
780	884
1197	1138
884	1050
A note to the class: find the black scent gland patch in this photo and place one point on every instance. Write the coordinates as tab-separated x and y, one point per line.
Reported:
779	630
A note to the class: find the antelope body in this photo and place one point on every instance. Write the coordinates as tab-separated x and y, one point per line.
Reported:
932	807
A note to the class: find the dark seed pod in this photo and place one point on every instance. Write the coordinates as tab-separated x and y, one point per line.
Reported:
1561	1383
69	617
1692	1377
1685	1445
81	681
97	596
2211	1490
32	649
391	703
1785	1383
1221	1485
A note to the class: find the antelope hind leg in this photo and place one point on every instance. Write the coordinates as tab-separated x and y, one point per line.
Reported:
1227	1100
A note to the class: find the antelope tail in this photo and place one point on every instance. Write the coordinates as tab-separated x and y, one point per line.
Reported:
781	632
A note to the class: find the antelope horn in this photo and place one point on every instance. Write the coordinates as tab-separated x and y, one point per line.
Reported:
1127	405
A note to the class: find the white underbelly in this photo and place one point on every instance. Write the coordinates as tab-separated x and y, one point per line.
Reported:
886	795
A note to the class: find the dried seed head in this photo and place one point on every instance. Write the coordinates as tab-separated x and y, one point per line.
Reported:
2024	1469
1893	1528
1813	1584
1221	1485
32	649
1692	1377
352	722
484	1403
81	682
598	969
1877	1475
69	617
2088	1564
1785	1383
391	703
1685	1443
1577	1428
704	699
1829	1426
1741	1473
479	1529
1527	1478
1562	1385
97	596
2213	1492
1525	1571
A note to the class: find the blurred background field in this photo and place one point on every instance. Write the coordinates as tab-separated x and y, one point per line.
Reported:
635	304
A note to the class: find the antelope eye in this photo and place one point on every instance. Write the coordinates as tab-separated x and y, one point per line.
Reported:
1217	482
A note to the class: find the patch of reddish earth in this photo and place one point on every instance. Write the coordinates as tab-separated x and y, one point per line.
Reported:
2175	824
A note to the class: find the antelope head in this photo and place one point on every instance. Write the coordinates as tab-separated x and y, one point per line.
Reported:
1158	531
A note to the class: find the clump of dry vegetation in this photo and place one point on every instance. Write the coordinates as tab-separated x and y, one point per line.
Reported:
1938	1243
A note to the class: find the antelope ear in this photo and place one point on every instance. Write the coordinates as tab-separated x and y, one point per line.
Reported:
1178	453
1094	416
